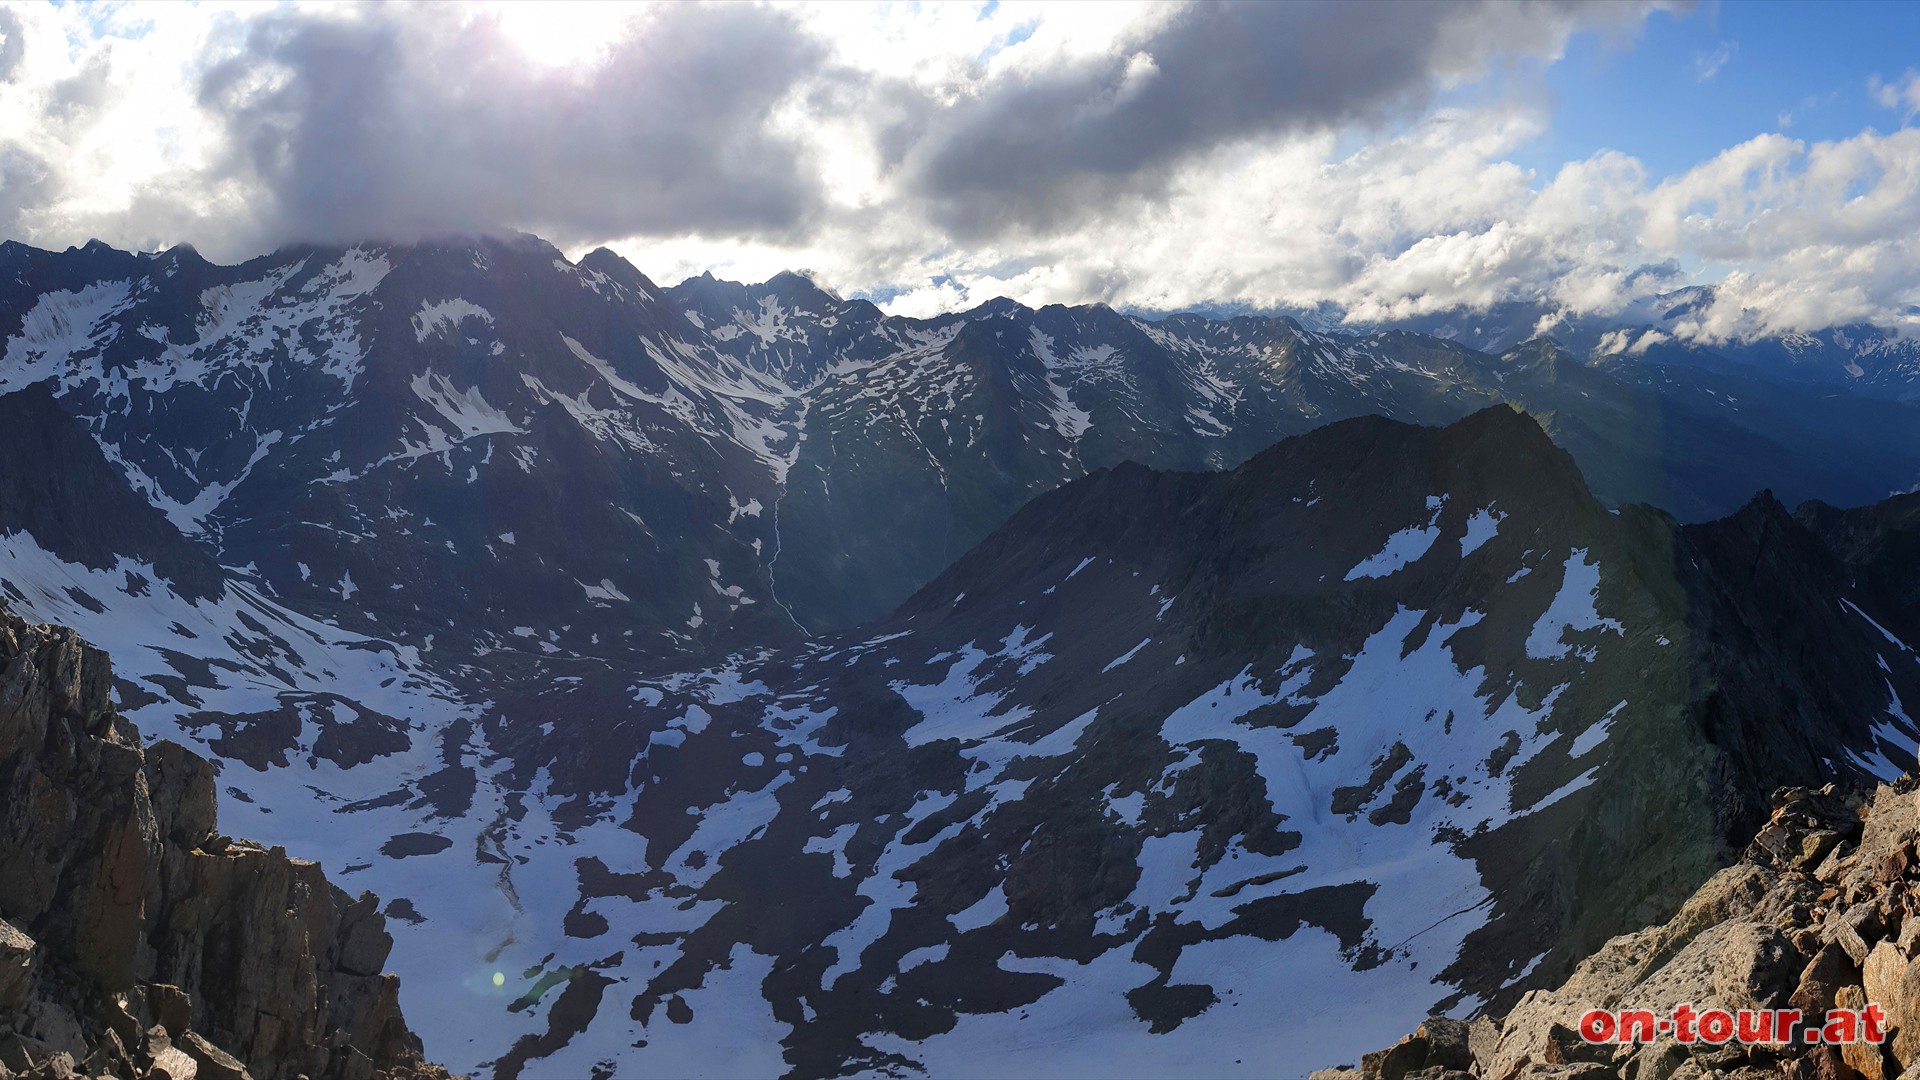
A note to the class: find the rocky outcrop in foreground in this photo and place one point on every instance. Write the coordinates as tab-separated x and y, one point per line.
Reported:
1822	911
135	941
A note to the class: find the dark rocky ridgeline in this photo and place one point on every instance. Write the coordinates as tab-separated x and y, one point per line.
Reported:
1566	718
1744	666
135	941
1822	911
1880	545
78	506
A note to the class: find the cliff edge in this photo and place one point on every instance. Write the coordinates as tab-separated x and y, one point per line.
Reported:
135	940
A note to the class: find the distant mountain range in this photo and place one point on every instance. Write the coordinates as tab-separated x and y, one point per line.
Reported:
1872	360
480	445
1013	691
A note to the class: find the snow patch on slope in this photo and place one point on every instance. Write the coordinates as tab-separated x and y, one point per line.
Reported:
445	317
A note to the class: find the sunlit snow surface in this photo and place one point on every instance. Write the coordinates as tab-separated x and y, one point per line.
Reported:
494	891
1425	899
494	900
1427	902
1405	547
495	897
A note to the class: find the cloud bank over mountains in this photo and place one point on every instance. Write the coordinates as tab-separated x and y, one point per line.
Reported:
1158	156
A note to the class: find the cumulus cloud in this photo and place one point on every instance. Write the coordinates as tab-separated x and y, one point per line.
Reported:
1036	147
13	44
732	120
399	125
1437	219
1902	93
934	156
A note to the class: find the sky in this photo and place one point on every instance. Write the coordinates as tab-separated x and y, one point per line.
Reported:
1382	160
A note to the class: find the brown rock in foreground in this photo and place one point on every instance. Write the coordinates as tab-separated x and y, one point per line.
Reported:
134	940
1822	910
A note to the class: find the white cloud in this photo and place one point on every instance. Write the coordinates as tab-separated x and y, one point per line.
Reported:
847	151
1810	234
1902	93
1710	63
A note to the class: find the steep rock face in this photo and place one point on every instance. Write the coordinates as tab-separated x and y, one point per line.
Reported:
134	937
57	487
1880	546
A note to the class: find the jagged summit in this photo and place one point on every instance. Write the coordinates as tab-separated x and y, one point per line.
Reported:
616	267
1542	349
183	252
1002	307
801	282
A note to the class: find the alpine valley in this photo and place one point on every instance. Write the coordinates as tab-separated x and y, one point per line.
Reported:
736	680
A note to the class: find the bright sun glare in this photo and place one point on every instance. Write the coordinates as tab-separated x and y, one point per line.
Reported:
560	33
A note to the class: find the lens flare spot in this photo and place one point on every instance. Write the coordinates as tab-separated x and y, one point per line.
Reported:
499	979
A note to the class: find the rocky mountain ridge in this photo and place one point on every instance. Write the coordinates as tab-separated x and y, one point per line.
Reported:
386	435
1663	329
506	585
1169	745
1820	912
135	939
1161	738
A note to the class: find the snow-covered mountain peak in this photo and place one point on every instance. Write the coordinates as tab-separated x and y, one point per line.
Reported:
283	403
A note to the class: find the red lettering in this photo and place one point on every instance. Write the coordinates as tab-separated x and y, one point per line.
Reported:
1875	1022
1683	1018
1716	1026
1843	1026
1597	1026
